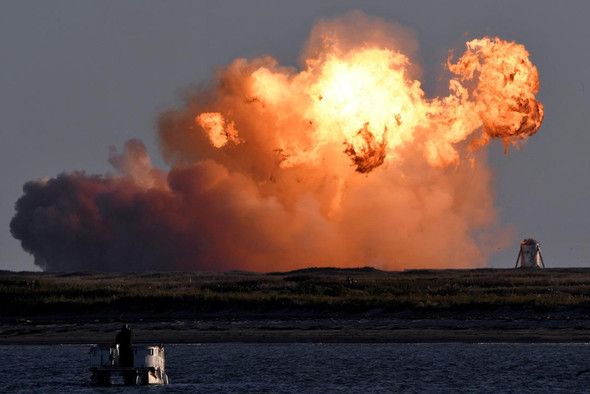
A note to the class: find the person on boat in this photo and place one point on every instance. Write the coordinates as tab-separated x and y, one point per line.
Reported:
123	339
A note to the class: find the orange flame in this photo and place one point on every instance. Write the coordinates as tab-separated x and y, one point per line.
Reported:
507	84
220	132
305	138
342	163
368	89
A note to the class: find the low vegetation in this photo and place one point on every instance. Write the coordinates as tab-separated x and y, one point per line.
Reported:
310	292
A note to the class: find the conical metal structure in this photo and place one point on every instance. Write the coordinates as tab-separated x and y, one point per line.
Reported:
529	255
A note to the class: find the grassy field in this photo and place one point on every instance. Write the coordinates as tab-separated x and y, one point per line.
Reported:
309	292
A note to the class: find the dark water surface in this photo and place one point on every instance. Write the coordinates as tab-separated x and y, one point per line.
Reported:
317	368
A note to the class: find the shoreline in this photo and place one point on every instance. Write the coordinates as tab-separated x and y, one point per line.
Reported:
317	331
313	305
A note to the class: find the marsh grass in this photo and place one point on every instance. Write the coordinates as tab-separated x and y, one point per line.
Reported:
313	291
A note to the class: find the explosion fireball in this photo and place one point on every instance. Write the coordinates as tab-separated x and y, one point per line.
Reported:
342	163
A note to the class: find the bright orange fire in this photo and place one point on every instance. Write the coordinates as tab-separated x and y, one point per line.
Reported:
363	98
220	132
344	162
364	167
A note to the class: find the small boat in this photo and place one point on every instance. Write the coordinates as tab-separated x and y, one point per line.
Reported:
148	366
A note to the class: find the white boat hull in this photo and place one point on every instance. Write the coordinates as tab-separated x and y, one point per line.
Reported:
148	366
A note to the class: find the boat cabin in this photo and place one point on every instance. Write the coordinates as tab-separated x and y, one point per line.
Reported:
148	366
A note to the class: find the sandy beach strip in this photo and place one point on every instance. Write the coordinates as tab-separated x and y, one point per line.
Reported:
293	331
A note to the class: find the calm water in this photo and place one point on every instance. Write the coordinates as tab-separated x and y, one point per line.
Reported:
318	368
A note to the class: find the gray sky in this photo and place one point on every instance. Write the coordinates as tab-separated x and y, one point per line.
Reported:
80	76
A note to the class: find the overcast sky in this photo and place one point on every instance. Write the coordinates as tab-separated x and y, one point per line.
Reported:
80	76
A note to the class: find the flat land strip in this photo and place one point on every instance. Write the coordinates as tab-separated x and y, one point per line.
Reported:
310	305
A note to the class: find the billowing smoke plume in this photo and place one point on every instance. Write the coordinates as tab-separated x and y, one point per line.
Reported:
342	163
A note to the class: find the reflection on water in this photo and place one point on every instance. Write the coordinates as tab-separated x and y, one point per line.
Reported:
318	368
